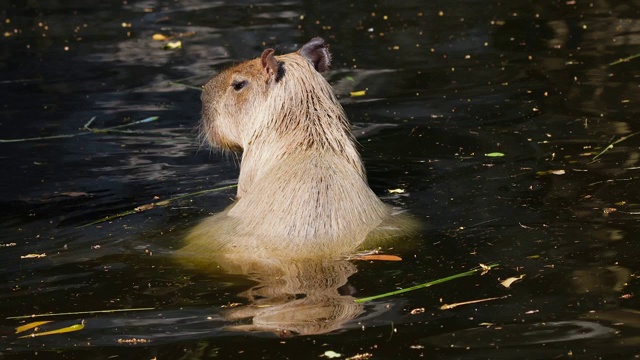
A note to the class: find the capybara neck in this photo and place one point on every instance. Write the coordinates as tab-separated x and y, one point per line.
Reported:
299	117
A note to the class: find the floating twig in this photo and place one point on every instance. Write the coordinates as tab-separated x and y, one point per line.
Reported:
199	88
85	127
145	207
451	306
627	59
76	313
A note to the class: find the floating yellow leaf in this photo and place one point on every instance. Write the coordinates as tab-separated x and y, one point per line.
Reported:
494	154
331	354
358	93
173	45
508	282
396	191
30	326
63	330
551	172
33	256
159	37
485	268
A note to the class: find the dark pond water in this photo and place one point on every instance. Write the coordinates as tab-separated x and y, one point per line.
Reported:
447	83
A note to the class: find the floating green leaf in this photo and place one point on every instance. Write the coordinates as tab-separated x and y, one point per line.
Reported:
482	268
494	154
610	146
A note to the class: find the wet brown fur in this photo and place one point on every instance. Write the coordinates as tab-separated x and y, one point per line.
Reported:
302	189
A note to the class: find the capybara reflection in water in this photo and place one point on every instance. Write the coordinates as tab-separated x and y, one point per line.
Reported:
302	189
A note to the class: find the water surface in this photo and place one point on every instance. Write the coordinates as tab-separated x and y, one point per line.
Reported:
446	84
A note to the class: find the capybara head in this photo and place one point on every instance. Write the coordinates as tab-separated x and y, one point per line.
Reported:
243	98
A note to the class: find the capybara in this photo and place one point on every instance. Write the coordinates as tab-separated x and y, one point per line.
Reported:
302	190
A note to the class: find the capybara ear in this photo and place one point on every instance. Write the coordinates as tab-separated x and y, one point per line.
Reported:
269	65
317	52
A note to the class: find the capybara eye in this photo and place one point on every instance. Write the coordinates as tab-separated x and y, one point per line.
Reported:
239	84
